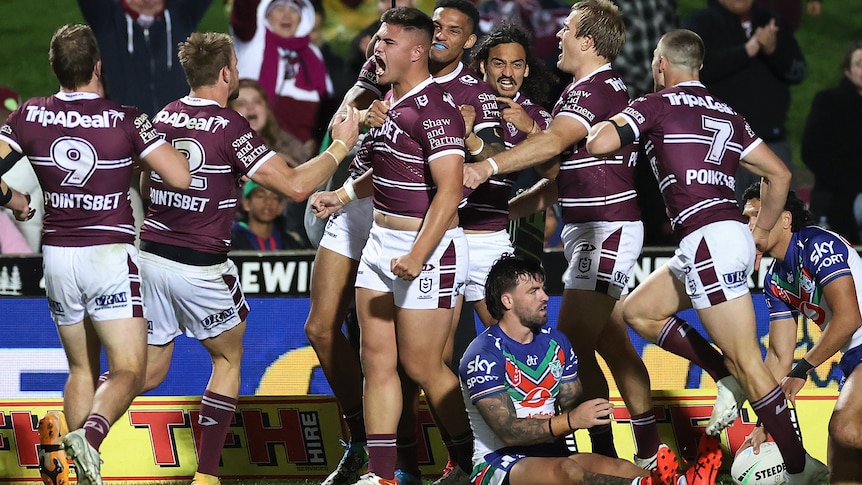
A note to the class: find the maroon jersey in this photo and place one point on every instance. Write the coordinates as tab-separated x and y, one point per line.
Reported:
420	127
221	147
694	143
594	189
487	207
81	147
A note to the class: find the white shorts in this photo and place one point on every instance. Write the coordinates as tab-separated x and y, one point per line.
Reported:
714	263
100	281
442	278
347	230
203	301
601	255
485	250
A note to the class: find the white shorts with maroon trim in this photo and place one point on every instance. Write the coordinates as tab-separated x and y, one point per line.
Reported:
714	263
347	230
100	281
601	255
485	250
442	278
203	301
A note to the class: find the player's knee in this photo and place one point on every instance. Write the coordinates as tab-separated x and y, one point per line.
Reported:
318	333
845	429
570	471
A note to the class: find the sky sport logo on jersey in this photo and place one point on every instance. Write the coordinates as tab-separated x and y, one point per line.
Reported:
72	118
182	120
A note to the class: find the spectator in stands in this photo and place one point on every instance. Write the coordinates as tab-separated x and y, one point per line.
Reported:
831	149
138	40
273	46
791	10
252	104
262	230
751	61
23	178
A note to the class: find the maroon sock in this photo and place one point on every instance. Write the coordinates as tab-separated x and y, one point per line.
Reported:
356	423
645	430
381	455
777	417
216	414
678	337
95	429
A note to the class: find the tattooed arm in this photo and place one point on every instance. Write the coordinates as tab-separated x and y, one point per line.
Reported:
499	413
570	394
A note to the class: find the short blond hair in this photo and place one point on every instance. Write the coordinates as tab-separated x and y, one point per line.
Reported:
203	55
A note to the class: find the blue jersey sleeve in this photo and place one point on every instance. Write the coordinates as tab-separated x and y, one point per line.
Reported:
827	255
483	368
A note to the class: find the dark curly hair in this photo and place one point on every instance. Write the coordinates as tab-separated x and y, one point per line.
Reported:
538	84
504	277
795	206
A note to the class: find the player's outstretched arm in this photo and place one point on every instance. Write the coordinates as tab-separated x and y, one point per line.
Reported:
299	183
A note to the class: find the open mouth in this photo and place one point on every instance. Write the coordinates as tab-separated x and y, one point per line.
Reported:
438	46
381	66
506	82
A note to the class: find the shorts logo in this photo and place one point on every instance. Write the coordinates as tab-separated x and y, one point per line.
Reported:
692	286
734	279
586	247
425	285
218	318
149	327
108	300
621	278
428	267
584	264
56	307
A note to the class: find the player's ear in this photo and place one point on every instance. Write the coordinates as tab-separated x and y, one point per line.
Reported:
470	41
506	299
482	68
527	71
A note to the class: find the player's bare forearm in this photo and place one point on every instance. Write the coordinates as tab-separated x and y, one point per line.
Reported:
541	195
499	413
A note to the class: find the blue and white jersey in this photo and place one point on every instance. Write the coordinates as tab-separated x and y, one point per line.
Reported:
815	257
530	374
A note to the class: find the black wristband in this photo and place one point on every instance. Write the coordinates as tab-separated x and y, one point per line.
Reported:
5	197
801	369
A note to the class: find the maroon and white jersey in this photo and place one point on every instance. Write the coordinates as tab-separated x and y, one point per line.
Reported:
421	127
81	147
487	207
694	143
590	188
221	147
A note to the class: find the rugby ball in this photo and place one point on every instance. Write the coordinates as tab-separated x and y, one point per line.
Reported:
764	468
